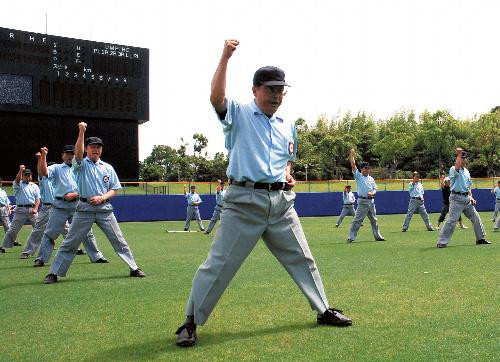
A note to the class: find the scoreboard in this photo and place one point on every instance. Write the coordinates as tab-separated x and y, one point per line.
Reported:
50	83
48	74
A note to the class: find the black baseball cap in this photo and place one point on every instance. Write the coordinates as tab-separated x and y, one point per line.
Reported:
465	154
69	149
93	141
27	171
269	75
348	186
51	163
222	183
365	164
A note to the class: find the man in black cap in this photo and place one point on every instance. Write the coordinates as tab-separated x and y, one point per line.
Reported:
219	201
27	202
366	188
64	199
259	203
348	200
97	184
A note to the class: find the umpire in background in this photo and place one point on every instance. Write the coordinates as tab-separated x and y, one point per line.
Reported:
416	203
348	200
259	202
97	183
219	202
5	209
367	188
461	200
27	203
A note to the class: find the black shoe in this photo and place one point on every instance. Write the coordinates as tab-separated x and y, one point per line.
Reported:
17	244
138	273
430	229
482	242
336	226
101	261
202	230
50	279
334	317
186	335
185	229
80	252
380	239
38	263
438	245
2	250
349	241
404	230
24	256
206	232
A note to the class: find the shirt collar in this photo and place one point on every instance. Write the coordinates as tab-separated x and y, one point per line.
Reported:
97	162
257	111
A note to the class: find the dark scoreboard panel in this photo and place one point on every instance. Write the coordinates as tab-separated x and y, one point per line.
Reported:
55	75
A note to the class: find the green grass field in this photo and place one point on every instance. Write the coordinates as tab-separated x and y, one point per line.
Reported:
408	300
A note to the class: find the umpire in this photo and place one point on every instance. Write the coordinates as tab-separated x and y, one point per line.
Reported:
461	200
416	203
259	202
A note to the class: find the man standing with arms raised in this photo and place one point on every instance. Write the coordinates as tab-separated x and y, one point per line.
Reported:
366	188
97	183
259	202
461	200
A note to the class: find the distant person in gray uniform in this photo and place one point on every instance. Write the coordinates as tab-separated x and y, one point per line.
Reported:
259	202
27	203
97	184
193	211
219	201
496	192
461	200
5	208
65	196
446	191
416	203
348	200
366	188
46	200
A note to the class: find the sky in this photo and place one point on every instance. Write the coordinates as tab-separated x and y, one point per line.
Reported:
379	57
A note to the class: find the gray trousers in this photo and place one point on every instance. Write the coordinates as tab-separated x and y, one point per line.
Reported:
497	224
366	207
248	215
193	212
34	239
215	218
4	218
60	213
21	215
86	214
347	210
497	209
459	204
413	206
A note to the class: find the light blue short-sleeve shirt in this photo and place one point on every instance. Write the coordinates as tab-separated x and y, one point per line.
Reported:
193	198
219	197
348	198
95	178
364	184
4	199
460	180
497	192
259	147
46	190
62	178
416	190
26	193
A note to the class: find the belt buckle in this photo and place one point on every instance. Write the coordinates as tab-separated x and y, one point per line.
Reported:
269	187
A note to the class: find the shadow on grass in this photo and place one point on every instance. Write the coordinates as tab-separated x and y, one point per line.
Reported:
63	281
154	349
433	247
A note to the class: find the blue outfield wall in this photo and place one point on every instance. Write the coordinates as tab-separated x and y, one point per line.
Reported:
173	207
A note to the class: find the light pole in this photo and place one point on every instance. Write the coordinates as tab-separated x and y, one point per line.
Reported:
305	166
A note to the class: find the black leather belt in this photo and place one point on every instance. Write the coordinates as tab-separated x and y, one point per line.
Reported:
365	197
63	199
47	204
88	200
416	198
498	199
460	193
275	186
28	205
348	204
219	205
